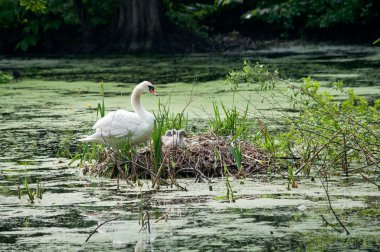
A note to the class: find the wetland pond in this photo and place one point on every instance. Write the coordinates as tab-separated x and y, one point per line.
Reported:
56	98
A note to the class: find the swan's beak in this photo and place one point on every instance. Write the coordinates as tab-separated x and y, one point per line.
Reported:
152	91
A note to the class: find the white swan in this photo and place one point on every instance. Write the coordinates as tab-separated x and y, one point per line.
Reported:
120	126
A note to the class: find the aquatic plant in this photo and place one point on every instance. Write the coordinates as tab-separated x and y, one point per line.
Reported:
171	120
87	153
101	110
39	190
257	74
291	179
236	153
231	123
5	78
30	193
67	144
323	129
157	143
229	193
19	192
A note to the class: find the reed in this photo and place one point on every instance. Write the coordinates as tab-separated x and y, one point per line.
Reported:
229	122
237	153
39	190
30	193
171	120
101	110
157	143
229	194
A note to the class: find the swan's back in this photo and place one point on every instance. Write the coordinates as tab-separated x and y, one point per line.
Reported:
121	125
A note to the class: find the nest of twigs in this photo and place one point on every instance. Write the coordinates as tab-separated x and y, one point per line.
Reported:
205	156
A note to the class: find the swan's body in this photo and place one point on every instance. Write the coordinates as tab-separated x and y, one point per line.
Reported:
122	126
174	138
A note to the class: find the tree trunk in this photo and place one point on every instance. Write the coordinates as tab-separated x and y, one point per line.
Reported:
139	27
87	30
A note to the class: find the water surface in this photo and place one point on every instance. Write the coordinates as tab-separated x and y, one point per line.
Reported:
55	100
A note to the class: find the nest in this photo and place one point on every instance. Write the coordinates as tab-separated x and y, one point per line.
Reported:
205	156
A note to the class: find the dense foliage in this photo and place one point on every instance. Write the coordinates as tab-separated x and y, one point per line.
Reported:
319	131
81	25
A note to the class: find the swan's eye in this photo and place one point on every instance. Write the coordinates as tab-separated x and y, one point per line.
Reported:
151	90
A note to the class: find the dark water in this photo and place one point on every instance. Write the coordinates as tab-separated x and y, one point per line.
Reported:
53	103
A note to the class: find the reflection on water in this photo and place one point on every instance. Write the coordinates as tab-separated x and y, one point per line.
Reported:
55	101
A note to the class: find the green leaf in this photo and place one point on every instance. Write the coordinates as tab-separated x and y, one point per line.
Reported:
376	41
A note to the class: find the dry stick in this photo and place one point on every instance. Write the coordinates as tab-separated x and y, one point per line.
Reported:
372	182
331	225
147	223
181	187
316	153
361	168
93	232
198	171
326	188
367	152
159	171
345	160
164	216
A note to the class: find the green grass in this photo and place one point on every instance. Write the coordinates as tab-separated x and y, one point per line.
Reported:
87	153
171	120
229	122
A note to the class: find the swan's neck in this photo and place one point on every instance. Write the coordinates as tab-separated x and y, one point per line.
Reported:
136	105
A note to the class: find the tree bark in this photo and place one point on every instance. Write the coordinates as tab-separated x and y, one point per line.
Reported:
87	31
139	26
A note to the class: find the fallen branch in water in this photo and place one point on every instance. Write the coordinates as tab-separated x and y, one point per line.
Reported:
165	216
93	232
326	188
372	182
331	225
316	153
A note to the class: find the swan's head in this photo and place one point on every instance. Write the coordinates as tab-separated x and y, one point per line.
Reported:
181	134
168	133
148	86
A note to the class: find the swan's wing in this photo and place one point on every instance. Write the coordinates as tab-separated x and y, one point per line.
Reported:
118	123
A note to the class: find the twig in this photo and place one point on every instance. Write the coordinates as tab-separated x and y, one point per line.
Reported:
372	182
93	232
164	216
181	187
326	188
331	225
198	171
159	171
316	153
146	224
